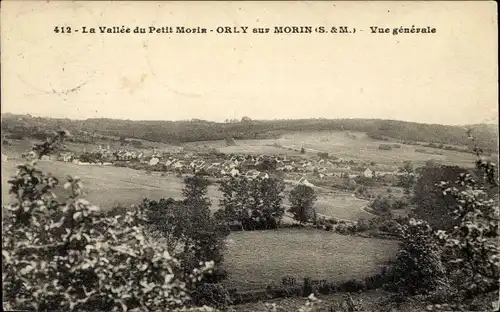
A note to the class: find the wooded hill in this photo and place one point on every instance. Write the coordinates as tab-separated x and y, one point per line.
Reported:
175	132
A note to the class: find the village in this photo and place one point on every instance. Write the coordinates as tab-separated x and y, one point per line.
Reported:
308	169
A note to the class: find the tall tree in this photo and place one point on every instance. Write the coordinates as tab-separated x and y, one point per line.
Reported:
188	226
195	194
254	203
302	199
408	178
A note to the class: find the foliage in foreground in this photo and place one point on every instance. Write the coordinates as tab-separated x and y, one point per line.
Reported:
457	265
66	256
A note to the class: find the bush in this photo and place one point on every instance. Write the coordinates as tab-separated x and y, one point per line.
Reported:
386	147
348	304
289	281
363	225
325	288
352	228
352	286
418	267
307	287
341	228
390	226
333	221
212	295
323	155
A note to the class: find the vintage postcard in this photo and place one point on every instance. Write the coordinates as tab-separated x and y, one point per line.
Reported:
249	156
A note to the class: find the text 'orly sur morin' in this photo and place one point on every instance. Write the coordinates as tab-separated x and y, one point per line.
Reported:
243	30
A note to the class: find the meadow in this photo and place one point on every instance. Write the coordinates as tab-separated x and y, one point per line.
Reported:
301	253
108	186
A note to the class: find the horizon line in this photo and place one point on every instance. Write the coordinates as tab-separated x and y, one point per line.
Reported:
239	119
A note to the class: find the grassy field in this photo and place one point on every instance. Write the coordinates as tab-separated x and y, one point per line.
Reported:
301	253
109	186
363	148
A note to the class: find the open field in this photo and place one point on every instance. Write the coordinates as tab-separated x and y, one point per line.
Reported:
251	147
258	258
344	145
108	186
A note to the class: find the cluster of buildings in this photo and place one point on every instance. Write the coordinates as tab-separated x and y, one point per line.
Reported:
251	166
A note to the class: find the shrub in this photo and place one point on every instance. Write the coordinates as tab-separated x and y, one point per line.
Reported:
363	225
386	147
289	281
352	286
348	304
212	295
390	226
418	267
333	221
323	155
341	228
307	287
352	228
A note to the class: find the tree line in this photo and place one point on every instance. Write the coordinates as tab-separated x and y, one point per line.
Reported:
199	130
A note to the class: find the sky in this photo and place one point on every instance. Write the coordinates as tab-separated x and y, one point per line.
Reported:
450	77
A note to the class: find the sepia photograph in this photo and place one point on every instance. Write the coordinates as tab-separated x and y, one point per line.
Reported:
253	156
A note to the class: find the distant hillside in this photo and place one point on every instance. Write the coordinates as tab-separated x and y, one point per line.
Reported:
174	132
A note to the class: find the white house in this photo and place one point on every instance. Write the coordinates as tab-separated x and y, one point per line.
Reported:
252	173
4	157
368	173
178	165
153	161
234	172
304	181
264	175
